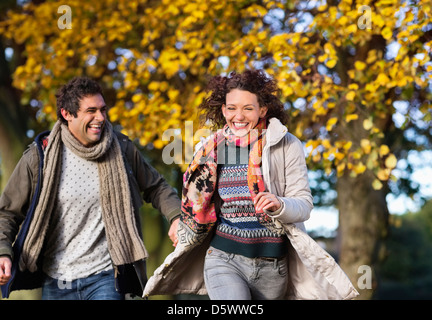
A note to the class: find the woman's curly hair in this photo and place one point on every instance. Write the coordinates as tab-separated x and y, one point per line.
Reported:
254	81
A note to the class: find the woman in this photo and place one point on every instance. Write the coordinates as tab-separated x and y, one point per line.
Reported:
245	197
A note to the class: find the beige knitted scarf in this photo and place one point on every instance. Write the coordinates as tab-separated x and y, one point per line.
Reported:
124	243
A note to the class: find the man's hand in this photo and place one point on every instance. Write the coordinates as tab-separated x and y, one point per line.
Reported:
5	270
172	233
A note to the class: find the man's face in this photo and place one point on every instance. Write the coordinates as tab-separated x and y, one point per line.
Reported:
87	127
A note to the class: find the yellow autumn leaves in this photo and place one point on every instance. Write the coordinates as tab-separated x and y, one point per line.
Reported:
342	156
363	86
382	169
155	58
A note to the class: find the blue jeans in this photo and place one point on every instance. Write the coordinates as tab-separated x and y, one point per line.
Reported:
100	286
231	276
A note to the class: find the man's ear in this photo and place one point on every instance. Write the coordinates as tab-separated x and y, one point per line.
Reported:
66	115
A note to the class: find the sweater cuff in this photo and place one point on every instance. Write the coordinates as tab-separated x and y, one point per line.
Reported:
6	252
275	214
173	215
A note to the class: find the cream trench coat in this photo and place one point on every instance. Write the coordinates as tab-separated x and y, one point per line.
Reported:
313	273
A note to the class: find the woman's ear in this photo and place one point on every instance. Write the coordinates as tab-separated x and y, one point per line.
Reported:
263	111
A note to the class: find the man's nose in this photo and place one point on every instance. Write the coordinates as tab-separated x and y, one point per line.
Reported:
100	115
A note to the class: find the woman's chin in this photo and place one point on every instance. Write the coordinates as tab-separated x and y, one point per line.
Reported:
240	132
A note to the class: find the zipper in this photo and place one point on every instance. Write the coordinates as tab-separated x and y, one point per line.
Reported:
116	273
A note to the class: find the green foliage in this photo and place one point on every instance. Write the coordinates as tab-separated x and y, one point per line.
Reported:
406	272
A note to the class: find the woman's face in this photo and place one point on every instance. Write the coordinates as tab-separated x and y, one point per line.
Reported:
242	111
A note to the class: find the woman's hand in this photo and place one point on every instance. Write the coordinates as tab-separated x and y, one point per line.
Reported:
266	201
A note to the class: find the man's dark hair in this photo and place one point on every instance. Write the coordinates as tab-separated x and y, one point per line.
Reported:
70	95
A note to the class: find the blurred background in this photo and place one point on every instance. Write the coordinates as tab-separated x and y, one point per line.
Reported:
355	78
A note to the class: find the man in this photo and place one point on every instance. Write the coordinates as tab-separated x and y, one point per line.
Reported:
69	215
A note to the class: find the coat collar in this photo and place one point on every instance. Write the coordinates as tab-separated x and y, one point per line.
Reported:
275	131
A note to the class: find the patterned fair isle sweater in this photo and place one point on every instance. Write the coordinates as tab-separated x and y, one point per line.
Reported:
238	230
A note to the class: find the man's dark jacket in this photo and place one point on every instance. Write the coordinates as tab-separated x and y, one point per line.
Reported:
21	195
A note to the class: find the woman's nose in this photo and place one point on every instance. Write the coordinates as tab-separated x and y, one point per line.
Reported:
239	115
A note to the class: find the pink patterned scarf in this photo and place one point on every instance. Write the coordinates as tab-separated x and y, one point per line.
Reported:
199	212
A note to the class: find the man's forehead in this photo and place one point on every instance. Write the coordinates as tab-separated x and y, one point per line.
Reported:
92	101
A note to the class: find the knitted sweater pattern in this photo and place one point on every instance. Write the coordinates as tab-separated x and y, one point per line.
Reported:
238	229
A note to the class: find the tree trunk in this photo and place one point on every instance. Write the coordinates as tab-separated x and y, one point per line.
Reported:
363	222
